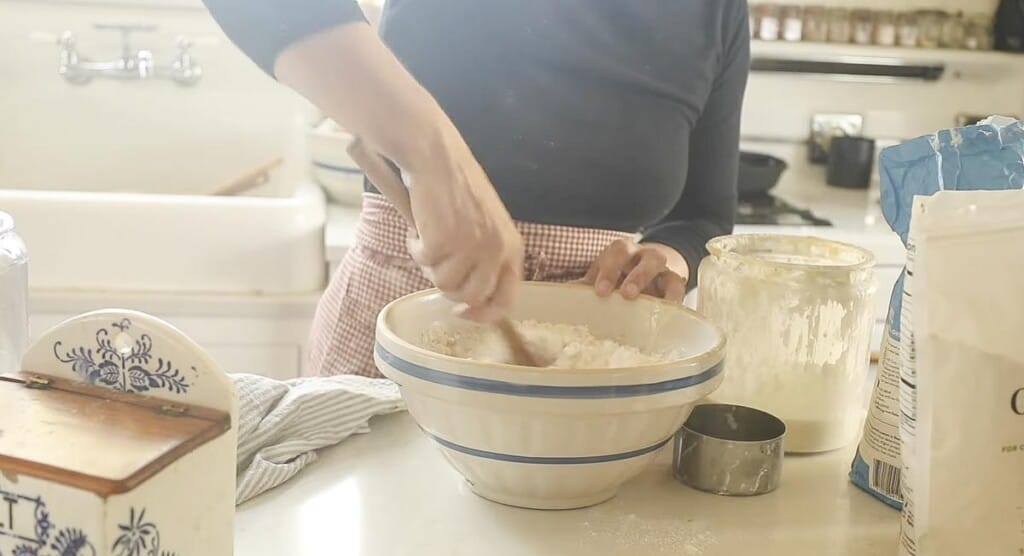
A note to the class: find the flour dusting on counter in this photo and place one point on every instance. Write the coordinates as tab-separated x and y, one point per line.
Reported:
564	345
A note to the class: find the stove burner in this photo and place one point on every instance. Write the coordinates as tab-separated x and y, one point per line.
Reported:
766	210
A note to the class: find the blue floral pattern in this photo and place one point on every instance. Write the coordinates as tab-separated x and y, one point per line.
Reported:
68	541
123	362
72	542
138	537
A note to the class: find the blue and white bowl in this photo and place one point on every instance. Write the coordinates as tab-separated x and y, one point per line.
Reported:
552	438
331	166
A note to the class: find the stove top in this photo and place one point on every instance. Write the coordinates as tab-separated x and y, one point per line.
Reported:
766	210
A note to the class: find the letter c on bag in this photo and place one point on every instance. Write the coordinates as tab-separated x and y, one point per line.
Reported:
1017	401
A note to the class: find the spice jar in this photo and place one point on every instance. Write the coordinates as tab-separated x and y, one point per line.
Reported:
885	28
862	23
13	296
797	312
815	26
978	32
952	31
907	31
929	24
768	21
839	25
792	23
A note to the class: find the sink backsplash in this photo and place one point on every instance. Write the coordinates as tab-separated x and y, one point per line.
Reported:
135	135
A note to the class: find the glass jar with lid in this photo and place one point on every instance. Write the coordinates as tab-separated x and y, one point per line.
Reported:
768	21
907	30
862	24
978	32
815	27
929	25
839	25
13	296
953	28
792	23
797	312
885	28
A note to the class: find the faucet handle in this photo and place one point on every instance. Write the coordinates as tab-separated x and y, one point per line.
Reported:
66	39
184	43
185	70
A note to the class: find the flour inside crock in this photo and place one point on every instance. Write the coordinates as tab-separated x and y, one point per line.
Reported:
564	345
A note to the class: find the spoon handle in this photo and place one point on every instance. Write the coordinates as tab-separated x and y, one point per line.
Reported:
384	177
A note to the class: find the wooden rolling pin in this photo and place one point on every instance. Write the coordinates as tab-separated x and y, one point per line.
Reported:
390	184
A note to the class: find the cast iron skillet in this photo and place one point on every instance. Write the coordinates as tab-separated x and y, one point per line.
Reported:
758	173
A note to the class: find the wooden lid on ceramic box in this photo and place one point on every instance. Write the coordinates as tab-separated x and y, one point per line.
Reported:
93	438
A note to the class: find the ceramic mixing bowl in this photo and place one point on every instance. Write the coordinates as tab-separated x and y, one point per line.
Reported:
332	167
552	438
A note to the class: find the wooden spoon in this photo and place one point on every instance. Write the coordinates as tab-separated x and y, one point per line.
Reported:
390	184
252	178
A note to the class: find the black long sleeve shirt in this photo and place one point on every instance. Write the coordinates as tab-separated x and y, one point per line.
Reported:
615	114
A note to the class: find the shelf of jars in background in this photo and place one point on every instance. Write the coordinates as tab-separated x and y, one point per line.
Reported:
908	29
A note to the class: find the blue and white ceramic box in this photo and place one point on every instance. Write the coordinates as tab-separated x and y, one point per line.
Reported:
117	438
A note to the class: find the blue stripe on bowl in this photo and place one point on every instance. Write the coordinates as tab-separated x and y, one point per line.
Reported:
547	460
540	391
342	169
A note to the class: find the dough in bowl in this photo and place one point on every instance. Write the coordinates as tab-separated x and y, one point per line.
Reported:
569	346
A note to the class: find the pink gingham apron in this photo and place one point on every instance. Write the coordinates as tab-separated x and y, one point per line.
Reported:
378	269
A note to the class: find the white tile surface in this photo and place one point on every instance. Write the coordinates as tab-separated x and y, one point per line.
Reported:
391	493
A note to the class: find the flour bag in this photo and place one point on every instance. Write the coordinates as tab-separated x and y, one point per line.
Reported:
988	156
963	376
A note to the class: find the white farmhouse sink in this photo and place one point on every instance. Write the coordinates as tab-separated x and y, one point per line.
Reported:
107	181
103	241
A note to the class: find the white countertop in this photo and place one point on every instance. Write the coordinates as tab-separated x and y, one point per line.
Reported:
391	493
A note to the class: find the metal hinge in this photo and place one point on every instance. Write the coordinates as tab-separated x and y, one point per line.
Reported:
38	383
173	410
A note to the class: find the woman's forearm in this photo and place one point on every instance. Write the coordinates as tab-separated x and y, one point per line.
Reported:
354	79
466	242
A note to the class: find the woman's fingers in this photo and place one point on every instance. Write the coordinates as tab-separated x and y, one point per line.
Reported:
448	274
649	265
497	306
611	264
505	294
480	284
633	268
672	286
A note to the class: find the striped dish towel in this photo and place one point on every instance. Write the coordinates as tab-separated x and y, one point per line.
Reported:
283	423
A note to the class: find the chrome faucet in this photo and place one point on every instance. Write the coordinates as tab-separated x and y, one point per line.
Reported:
133	64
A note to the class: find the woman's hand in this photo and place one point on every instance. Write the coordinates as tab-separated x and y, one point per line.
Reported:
467	244
634	268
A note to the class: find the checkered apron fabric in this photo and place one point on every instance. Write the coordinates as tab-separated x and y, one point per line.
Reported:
378	270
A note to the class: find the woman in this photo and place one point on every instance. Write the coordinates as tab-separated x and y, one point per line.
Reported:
538	138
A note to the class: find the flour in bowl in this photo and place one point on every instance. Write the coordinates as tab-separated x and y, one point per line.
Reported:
564	345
